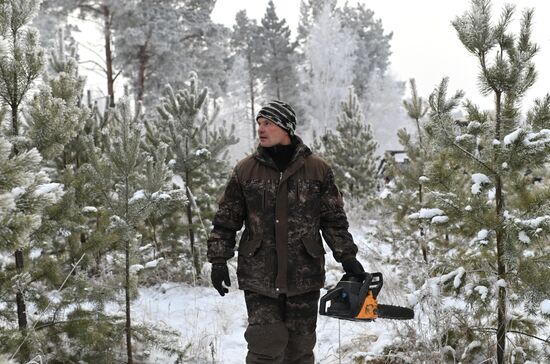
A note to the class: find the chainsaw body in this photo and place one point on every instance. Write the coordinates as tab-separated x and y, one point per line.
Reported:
354	298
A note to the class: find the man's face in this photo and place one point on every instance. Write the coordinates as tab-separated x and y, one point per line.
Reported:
271	134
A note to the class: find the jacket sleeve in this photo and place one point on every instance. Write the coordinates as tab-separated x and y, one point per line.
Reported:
227	221
334	222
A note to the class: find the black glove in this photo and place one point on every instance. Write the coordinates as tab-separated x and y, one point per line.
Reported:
352	266
220	274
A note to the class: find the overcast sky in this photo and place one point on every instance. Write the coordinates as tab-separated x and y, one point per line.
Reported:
425	45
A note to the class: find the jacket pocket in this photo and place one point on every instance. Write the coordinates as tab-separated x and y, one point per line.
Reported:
249	248
313	247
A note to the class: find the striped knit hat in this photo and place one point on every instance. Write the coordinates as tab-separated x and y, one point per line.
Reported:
280	113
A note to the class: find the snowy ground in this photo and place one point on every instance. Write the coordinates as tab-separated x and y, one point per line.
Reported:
214	326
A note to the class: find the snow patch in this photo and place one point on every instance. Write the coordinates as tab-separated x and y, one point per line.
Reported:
440	219
135	268
35	253
153	263
522	236
479	179
468	208
161	196
501	283
202	152
18	191
385	194
423	179
138	195
482	290
512	137
89	209
426	213
545	307
53	191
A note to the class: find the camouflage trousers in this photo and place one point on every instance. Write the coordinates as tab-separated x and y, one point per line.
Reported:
281	330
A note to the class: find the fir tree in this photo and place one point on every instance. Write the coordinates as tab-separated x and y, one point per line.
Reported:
350	151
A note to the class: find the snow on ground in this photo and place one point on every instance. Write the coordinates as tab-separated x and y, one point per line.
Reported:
215	325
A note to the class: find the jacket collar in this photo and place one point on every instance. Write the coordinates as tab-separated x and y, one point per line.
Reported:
301	152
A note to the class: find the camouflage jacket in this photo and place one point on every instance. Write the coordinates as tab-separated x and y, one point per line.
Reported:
280	250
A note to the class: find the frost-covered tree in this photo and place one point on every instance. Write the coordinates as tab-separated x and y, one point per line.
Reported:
486	192
277	64
309	12
402	192
197	148
373	45
130	183
21	61
330	58
236	108
350	150
159	42
382	107
146	34
245	43
416	108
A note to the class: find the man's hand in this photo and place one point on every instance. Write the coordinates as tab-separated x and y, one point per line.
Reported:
352	266
220	274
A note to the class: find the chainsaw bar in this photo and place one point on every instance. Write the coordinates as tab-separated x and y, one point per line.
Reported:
394	312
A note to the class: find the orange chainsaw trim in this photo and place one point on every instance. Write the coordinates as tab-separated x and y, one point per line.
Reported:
368	310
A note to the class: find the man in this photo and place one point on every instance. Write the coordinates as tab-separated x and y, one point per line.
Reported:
285	195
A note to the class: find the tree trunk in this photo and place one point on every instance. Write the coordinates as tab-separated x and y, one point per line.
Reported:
419	133
499	199
128	316
143	59
191	232
109	56
21	307
251	90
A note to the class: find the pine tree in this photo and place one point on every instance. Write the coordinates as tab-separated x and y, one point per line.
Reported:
146	33
21	61
277	64
373	46
480	194
350	151
197	147
329	54
245	43
130	183
236	109
309	12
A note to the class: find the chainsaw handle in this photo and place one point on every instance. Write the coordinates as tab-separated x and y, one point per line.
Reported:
329	296
375	285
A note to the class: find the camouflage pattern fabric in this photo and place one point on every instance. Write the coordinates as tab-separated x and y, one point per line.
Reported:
281	251
282	329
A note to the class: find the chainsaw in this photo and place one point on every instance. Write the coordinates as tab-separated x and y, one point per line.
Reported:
354	298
